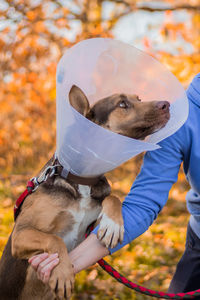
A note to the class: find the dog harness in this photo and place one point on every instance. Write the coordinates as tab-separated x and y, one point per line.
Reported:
55	169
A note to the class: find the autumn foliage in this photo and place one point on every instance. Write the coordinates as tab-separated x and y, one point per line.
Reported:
33	36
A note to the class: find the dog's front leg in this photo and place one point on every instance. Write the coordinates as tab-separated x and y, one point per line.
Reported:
111	227
28	242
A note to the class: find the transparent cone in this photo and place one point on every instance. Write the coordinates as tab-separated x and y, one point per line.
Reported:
102	67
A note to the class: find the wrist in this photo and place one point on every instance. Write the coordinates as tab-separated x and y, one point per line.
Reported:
87	253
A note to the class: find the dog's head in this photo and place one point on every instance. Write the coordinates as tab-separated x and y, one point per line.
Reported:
122	113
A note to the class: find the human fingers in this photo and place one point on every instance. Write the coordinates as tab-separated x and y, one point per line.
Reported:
47	260
44	273
37	259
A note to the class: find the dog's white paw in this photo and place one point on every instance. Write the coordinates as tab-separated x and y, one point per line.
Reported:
110	232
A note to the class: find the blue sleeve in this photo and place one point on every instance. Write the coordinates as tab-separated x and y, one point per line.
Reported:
150	190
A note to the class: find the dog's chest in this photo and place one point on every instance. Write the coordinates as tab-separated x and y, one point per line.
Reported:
86	213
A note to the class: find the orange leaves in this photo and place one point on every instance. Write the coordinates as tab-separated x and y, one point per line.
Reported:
26	123
146	43
45	136
184	66
22	128
6	30
2	137
52	67
31	15
171	30
196	20
39	27
32	77
19	125
52	94
62	22
6	107
35	13
2	44
168	13
12	87
65	11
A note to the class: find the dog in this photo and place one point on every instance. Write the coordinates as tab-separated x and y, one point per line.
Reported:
55	217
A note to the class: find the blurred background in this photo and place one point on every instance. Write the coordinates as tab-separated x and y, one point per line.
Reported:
33	36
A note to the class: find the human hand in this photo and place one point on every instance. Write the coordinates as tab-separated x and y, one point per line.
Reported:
44	264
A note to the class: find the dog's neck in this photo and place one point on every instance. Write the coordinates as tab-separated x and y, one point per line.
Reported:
60	171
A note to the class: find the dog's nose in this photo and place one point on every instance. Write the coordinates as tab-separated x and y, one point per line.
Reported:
163	105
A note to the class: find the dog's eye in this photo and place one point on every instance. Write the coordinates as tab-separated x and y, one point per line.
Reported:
123	104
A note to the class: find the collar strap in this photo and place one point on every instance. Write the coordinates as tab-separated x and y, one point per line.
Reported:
83	180
74	178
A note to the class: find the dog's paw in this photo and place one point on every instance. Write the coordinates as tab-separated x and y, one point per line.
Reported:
110	232
62	281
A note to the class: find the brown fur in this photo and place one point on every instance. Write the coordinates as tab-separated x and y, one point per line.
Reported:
12	274
129	116
55	217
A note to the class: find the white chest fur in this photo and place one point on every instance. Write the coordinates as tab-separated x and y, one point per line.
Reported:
84	190
86	213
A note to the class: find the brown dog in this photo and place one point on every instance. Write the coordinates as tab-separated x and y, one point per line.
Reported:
56	216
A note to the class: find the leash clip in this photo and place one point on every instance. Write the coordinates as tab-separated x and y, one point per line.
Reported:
48	172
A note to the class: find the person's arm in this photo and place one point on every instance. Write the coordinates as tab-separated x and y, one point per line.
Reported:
146	198
81	258
149	192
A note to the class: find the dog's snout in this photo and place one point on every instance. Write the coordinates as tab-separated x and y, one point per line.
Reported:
163	105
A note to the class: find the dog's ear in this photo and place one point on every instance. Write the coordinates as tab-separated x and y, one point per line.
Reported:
79	100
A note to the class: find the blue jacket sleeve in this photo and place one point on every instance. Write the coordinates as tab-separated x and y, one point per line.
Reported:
150	190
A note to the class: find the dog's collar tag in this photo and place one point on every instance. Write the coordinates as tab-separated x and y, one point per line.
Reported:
102	67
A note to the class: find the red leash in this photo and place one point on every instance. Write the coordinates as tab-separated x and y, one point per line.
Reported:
32	185
138	288
110	270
